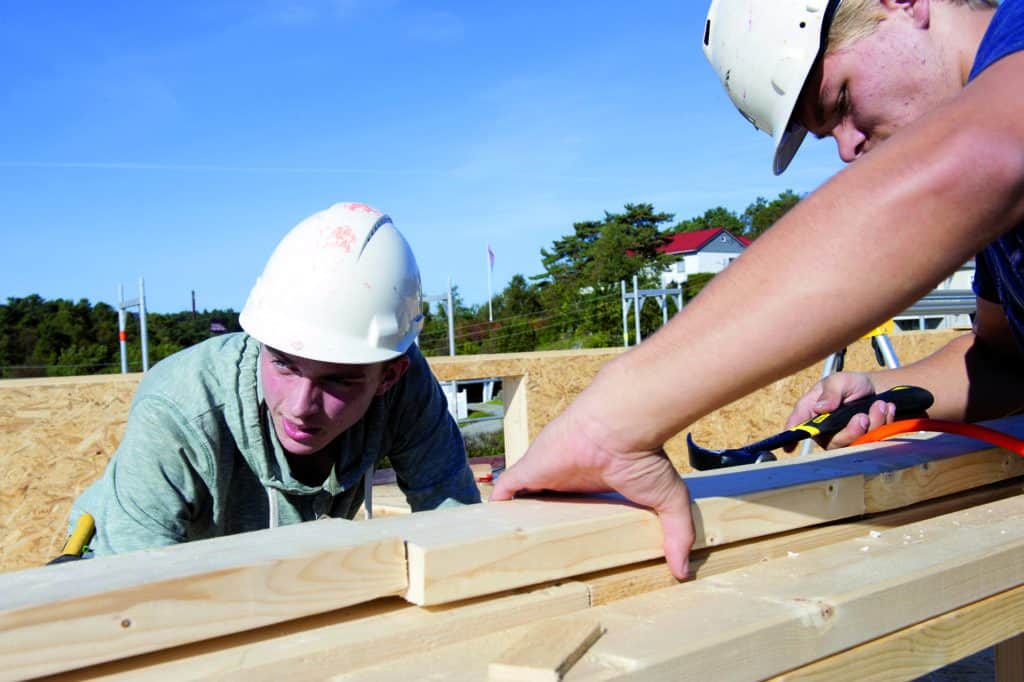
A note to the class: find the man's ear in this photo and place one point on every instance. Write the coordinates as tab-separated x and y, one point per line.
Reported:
918	10
391	372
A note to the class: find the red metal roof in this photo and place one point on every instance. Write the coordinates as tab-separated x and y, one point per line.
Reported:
688	242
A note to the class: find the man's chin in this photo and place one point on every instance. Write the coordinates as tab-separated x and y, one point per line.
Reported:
301	449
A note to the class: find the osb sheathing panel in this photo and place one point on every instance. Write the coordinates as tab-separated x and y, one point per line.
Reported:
57	434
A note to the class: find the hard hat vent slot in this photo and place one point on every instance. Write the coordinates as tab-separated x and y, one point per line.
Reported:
707	33
383	220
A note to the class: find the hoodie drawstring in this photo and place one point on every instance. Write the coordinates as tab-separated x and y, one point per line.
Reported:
368	491
272	504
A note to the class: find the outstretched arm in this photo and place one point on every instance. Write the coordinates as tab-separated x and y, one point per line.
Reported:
866	245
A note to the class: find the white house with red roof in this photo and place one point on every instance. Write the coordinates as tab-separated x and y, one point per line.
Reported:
708	250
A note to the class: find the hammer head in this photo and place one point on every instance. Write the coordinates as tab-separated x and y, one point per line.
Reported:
703	459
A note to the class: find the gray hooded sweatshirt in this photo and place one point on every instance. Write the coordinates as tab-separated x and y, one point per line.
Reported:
200	458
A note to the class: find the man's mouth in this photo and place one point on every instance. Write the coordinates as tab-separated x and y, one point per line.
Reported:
301	433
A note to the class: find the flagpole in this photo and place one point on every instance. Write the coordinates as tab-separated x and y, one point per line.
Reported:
490	267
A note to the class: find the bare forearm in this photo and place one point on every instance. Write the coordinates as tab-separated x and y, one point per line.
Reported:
970	380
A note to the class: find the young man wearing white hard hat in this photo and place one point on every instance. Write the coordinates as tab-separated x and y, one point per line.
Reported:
935	92
285	423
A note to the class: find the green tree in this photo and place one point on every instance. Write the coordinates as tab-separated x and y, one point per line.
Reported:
39	337
762	214
580	287
518	313
713	217
695	283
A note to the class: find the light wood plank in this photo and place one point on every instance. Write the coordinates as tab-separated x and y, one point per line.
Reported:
764	619
922	648
516	419
460	553
320	646
361	635
618	583
71	615
457	554
366	634
939	475
545	653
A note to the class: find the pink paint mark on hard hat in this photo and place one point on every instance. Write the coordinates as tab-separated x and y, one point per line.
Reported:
364	208
342	237
297	345
367	285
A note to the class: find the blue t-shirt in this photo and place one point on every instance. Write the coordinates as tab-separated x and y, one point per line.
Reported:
999	268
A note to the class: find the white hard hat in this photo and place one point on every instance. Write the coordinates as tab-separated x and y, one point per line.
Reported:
763	51
342	286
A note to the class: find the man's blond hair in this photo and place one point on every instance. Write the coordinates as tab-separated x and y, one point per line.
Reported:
856	19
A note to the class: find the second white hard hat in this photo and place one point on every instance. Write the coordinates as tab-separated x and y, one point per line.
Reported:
342	286
763	51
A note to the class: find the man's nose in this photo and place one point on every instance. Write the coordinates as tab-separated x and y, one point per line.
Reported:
305	398
850	140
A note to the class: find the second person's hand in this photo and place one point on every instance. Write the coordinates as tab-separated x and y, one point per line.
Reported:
833	391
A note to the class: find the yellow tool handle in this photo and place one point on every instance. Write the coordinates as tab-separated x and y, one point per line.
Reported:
81	536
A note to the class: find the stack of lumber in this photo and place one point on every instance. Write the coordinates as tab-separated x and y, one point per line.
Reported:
878	562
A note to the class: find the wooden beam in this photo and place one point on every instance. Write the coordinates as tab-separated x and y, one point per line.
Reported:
618	583
516	420
919	649
462	553
71	615
366	634
764	619
545	652
320	646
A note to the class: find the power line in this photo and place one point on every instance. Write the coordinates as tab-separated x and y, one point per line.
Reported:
541	314
433	343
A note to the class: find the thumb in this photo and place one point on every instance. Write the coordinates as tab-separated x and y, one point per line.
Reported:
830	398
502	492
508	484
677	532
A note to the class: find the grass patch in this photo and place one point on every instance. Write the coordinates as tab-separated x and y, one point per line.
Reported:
486	444
480	445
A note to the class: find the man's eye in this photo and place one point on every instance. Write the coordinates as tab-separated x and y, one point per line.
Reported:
843	102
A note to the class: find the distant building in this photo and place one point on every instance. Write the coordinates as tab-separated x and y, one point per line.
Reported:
954	294
217	326
708	250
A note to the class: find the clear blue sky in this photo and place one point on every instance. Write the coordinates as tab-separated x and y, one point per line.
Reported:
179	141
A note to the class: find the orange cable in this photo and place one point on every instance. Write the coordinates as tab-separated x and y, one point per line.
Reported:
982	433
